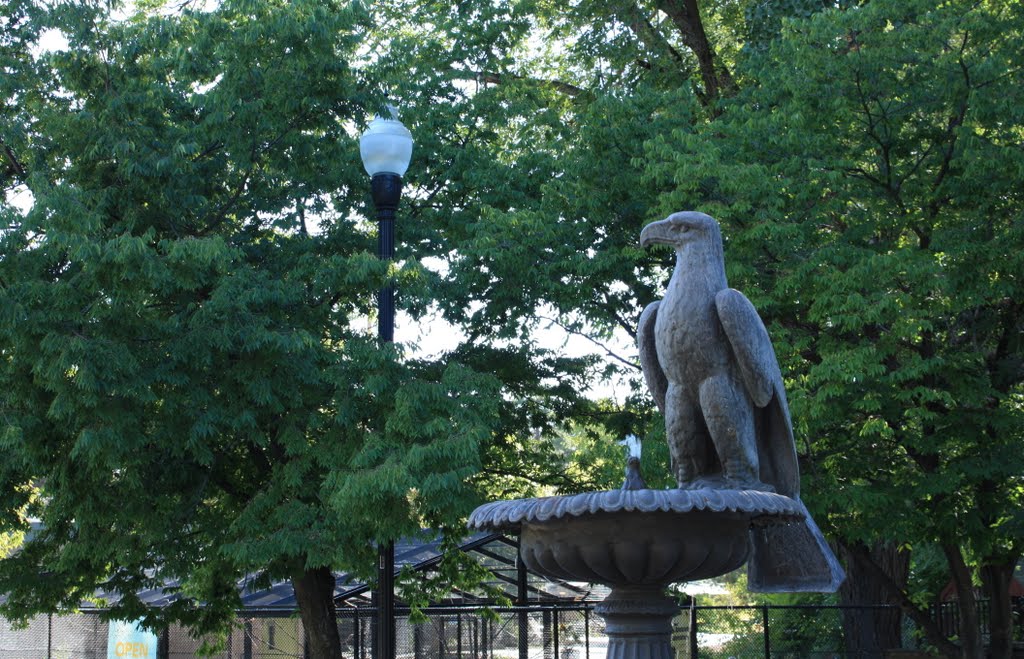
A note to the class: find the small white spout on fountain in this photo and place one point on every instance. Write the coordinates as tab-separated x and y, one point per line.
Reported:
634	479
632	444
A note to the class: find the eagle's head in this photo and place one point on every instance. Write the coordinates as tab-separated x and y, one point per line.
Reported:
679	229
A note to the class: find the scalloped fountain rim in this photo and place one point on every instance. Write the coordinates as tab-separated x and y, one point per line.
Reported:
512	514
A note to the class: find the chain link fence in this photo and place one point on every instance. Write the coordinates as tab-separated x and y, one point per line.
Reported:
533	632
787	632
55	637
525	632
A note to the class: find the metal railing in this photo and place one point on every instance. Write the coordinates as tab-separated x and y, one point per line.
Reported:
550	631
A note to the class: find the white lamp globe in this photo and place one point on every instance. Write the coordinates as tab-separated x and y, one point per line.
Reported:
386	147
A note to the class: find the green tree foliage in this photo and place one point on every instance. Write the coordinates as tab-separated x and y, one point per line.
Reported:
863	158
171	330
531	131
492	137
871	190
189	391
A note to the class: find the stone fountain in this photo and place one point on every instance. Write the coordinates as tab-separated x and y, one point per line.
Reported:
712	371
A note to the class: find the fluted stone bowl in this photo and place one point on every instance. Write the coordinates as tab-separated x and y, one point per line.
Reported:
630	538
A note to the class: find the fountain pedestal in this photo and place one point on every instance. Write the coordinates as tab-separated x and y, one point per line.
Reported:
637	542
638	622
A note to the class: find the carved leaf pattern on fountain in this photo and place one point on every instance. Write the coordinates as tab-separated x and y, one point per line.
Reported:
510	515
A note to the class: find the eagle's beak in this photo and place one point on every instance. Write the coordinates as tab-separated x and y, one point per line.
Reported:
657	233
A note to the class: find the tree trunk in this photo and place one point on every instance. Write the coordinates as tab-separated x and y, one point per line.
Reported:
314	592
996	578
971	646
869	632
925	622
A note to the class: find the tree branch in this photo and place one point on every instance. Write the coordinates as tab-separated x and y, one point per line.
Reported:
543	479
227	206
15	165
501	78
1003	378
630	328
954	122
647	33
969	626
607	350
685	14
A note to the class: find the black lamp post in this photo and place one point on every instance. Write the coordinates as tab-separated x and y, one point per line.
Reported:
386	148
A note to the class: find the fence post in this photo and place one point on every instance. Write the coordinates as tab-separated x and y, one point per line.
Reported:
693	628
49	636
767	636
586	631
247	640
357	631
554	628
522	596
458	635
546	634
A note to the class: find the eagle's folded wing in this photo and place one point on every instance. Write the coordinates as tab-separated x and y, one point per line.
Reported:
654	376
750	345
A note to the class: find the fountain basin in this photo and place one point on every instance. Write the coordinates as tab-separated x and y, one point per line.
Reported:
637	537
637	542
647	549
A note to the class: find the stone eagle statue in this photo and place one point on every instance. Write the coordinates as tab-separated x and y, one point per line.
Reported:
712	371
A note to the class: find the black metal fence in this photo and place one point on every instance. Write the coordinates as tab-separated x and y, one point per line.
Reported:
534	632
786	632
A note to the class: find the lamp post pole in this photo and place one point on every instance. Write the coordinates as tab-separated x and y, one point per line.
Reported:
386	148
386	189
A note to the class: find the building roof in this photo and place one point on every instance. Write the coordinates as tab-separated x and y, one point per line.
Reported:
495	551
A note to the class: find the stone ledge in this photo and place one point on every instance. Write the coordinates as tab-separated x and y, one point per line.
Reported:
510	515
